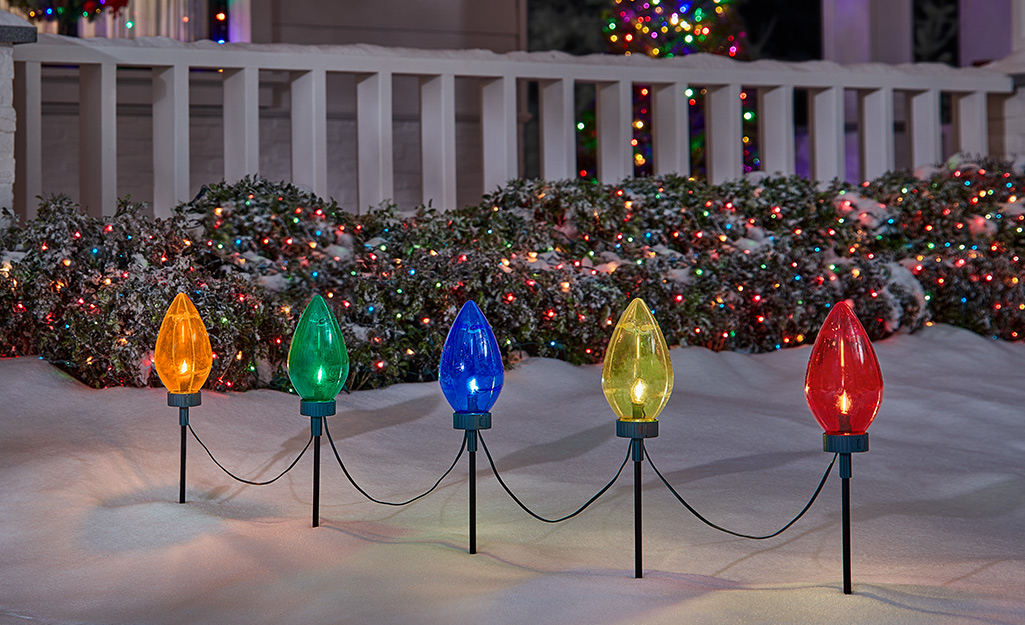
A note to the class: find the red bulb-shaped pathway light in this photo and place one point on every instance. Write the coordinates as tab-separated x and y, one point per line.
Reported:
844	388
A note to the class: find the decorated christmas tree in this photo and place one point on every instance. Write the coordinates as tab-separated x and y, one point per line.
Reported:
66	12
668	28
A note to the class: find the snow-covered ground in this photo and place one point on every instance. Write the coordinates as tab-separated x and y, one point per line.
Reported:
91	531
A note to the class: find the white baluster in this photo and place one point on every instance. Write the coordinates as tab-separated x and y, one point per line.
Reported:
309	130
826	117
558	129
241	123
438	139
615	116
170	138
776	129
875	132
671	129
971	132
375	163
724	155
498	125
924	119
97	138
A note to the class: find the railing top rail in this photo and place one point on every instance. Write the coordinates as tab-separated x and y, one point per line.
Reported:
698	69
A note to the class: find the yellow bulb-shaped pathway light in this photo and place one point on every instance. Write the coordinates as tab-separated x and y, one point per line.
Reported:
637	377
183	359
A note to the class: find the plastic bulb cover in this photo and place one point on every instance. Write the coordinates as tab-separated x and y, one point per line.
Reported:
318	363
843	386
471	372
637	375
183	356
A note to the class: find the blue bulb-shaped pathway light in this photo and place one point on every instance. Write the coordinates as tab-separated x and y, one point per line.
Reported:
471	377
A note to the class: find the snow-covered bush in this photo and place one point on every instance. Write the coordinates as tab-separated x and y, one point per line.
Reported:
748	265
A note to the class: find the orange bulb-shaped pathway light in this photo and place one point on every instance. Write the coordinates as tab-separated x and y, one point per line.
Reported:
637	378
844	389
183	361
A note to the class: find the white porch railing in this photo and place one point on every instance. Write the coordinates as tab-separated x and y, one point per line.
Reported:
501	78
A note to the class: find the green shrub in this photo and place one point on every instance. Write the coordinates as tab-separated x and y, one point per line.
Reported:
750	265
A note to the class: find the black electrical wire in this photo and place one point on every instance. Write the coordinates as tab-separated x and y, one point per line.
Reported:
494	470
822	483
244	481
462	448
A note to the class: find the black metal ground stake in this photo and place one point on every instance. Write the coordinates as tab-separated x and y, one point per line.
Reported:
181	482
471	422
316	411
637	431
183	401
316	480
471	443
845	514
638	456
845	445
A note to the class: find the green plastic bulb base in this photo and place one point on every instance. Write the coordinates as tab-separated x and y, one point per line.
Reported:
317	408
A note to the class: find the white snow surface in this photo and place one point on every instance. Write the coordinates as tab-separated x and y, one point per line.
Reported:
93	533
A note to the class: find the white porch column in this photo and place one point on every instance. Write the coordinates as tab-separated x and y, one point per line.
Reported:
724	156
97	138
671	133
240	25
1017	25
170	138
438	139
776	129
375	163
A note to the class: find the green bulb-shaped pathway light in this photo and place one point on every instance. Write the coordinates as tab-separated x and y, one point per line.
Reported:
318	365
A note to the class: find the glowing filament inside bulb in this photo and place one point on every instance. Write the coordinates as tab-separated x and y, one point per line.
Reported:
845	403
185	367
637	391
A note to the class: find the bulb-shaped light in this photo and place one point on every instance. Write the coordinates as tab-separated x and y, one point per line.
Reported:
843	386
637	375
318	362
183	356
470	372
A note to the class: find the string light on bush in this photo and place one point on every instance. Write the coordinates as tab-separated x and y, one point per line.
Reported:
183	359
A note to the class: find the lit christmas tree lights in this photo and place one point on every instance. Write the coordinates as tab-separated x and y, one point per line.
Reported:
668	28
664	29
